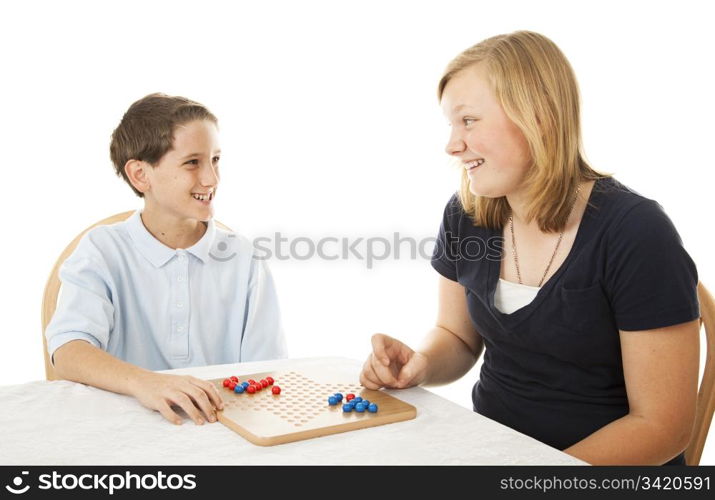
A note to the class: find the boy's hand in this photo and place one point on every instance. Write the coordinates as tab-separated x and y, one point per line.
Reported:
392	364
198	398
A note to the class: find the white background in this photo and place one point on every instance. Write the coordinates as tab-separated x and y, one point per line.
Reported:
329	127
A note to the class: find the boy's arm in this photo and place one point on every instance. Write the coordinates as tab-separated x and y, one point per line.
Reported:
80	329
80	361
263	336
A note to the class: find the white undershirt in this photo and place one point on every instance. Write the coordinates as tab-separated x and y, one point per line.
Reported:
512	296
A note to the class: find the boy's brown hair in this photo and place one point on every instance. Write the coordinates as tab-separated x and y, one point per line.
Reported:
146	131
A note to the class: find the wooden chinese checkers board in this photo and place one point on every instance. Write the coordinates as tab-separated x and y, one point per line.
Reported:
301	410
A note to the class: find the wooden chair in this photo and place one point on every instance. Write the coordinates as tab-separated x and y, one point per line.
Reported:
706	392
52	287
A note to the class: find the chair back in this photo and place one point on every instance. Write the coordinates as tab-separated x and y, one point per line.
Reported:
706	392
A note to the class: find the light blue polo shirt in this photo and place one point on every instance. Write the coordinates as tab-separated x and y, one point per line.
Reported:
160	308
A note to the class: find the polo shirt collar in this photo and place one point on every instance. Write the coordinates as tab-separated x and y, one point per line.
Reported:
159	254
201	248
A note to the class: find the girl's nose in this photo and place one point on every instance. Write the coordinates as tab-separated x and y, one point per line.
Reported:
455	145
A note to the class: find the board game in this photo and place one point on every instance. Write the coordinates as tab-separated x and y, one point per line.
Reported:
301	410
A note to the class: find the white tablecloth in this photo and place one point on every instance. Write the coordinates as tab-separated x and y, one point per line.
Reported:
65	423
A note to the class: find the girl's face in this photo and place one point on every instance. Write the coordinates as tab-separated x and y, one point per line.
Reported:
489	145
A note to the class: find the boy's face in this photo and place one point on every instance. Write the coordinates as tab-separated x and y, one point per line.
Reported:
186	172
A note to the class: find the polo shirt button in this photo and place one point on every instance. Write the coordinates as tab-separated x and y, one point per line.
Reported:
180	329
180	279
179	305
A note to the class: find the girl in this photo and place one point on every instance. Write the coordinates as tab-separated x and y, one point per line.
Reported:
577	288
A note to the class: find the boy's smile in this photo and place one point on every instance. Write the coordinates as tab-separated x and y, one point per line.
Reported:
204	197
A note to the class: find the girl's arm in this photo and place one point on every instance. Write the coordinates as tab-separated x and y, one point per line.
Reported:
660	368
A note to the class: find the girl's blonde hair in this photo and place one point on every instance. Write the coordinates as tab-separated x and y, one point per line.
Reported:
536	86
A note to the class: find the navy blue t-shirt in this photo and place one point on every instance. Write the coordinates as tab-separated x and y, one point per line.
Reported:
553	369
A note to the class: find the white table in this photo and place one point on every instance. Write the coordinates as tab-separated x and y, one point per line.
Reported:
64	423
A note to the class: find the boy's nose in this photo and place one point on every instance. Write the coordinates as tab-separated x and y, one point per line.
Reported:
209	176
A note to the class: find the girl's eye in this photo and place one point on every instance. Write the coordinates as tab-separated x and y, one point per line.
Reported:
192	162
468	121
216	159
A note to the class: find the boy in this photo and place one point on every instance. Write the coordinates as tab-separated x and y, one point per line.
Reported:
166	288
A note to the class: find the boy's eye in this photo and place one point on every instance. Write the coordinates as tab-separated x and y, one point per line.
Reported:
468	121
192	162
216	159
